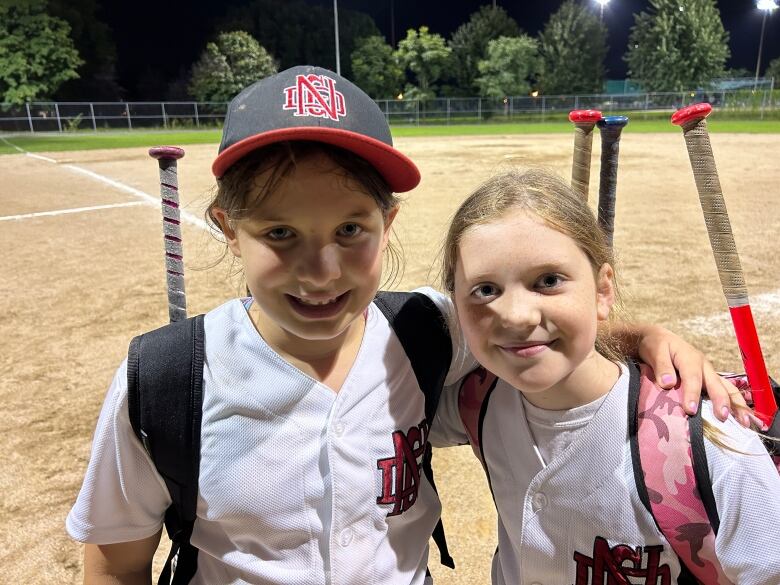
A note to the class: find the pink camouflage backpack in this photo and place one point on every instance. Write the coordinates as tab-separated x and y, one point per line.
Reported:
669	460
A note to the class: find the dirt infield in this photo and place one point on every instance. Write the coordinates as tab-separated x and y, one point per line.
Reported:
76	287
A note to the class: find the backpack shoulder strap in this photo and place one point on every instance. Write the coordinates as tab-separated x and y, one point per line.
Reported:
473	398
667	452
165	398
423	333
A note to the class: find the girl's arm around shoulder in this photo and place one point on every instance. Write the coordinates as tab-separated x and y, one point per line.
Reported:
746	486
123	563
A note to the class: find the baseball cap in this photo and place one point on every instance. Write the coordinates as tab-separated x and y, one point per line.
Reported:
312	103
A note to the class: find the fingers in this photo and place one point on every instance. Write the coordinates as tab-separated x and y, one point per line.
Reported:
693	377
665	374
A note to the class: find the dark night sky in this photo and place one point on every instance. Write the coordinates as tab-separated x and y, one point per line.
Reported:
152	34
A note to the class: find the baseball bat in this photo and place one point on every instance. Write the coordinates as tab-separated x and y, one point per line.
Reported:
584	121
610	128
694	126
171	220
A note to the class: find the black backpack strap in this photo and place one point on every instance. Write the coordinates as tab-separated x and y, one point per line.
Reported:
165	399
423	333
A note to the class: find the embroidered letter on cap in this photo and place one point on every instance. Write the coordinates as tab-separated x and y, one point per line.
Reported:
315	95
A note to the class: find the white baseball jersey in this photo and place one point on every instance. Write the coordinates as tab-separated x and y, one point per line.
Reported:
573	519
298	484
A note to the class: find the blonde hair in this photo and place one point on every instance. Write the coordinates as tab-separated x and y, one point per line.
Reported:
546	196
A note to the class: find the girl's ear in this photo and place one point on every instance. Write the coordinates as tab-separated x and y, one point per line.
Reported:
221	217
388	224
605	291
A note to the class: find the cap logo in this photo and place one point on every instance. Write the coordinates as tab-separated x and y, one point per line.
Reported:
315	95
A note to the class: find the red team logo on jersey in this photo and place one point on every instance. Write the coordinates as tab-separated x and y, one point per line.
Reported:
607	567
401	474
315	95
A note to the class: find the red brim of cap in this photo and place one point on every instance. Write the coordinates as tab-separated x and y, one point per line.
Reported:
397	169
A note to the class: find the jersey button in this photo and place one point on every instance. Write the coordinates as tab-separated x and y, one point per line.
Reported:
346	537
539	501
338	429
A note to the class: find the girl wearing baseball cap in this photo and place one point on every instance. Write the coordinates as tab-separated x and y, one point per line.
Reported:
314	430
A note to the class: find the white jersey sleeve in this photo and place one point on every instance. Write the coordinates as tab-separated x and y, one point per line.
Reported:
462	359
123	498
447	429
746	486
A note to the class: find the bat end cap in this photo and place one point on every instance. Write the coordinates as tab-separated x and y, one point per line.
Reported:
166	152
612	122
584	116
691	113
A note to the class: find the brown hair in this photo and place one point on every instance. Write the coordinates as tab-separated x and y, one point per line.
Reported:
547	197
238	193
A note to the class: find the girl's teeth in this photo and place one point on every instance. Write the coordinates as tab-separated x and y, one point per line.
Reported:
309	302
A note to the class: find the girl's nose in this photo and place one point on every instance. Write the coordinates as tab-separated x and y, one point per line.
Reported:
320	265
519	311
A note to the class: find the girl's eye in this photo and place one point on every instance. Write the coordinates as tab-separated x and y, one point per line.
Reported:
485	291
279	233
350	230
549	281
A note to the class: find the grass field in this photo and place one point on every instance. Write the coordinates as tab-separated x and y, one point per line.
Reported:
56	142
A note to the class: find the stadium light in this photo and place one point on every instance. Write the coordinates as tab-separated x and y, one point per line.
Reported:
336	30
767	6
602	4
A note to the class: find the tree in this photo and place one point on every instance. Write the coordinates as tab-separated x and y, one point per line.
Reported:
426	55
297	32
773	70
228	65
573	46
510	65
469	43
94	41
375	68
677	46
36	52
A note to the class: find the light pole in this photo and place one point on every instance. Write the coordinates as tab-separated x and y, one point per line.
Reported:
336	27
602	4
767	6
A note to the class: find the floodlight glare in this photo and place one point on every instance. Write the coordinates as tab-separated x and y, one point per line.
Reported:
605	2
766	5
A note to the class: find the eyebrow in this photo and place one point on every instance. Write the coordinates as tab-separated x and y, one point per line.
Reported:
357	214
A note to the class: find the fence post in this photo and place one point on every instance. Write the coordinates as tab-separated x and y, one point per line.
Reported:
197	119
57	111
543	106
417	105
92	113
29	117
576	102
448	111
511	106
165	120
479	110
127	112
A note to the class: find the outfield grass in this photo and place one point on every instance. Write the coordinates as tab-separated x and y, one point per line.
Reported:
54	142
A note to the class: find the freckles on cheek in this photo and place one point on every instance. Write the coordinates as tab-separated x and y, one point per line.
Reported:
475	325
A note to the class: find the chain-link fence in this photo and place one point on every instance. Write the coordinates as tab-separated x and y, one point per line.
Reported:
72	116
